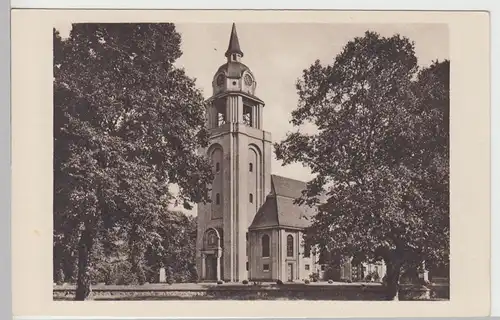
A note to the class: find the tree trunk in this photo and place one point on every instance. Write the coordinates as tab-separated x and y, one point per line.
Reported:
393	275
84	251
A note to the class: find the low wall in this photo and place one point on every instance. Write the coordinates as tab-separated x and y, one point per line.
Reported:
250	292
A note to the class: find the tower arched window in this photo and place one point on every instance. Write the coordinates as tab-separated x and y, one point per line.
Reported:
250	167
217	167
247	116
217	198
265	246
250	198
289	246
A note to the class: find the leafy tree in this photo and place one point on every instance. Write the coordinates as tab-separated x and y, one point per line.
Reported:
176	249
127	125
380	154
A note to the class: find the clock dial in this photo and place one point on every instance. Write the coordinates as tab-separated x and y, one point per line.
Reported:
220	80
248	80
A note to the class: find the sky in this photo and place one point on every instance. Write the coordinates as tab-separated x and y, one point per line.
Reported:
278	53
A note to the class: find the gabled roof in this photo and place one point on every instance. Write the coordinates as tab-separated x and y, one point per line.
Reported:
280	209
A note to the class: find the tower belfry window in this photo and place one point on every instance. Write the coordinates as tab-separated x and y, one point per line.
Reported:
247	116
221	115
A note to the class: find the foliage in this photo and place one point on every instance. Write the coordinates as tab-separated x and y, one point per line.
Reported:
279	282
380	154
306	281
245	281
127	125
314	276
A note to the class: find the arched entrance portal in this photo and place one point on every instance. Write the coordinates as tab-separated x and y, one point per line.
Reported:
211	255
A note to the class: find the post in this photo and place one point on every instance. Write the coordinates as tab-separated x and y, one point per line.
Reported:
218	256
163	277
203	266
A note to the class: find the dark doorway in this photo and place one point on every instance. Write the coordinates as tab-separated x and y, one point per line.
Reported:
211	265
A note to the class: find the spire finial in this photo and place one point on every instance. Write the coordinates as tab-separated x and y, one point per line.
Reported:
234	44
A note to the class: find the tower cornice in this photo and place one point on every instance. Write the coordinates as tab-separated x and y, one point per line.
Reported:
235	93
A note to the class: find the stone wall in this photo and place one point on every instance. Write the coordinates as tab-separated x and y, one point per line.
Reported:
255	292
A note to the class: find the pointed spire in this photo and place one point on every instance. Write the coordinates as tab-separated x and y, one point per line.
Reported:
234	44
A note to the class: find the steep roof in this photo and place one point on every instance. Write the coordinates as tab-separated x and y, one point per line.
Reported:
234	43
280	209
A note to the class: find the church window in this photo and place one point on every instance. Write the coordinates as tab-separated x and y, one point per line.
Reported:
247	265
217	198
265	246
250	198
266	267
234	57
217	167
323	267
289	246
211	238
306	267
307	248
250	167
247	116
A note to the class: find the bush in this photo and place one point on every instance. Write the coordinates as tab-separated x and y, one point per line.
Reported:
170	281
220	282
306	281
279	282
330	281
314	276
245	281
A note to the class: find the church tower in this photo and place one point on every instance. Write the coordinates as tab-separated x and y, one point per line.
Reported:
240	152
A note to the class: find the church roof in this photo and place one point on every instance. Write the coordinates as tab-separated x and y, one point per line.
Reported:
280	209
234	43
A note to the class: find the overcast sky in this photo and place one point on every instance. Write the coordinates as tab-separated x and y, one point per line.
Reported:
277	54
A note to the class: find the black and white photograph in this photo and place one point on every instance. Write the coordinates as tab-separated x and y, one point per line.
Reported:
251	161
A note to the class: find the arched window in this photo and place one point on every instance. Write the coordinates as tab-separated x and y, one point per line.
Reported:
265	246
250	198
211	238
217	198
289	246
250	167
217	167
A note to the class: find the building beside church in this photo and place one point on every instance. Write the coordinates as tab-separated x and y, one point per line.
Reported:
252	229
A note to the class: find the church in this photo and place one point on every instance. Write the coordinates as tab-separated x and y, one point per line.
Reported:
252	229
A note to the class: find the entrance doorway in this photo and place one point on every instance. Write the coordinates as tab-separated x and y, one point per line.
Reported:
211	267
289	272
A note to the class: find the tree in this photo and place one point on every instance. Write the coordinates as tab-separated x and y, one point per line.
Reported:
176	249
127	125
379	156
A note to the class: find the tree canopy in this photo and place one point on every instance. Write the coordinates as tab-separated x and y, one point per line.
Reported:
127	125
380	153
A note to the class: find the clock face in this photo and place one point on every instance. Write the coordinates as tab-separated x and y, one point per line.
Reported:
248	80
220	80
